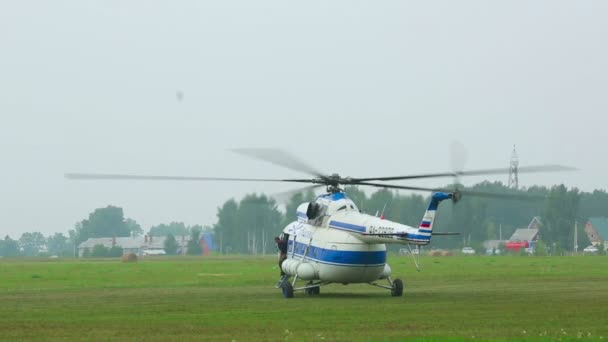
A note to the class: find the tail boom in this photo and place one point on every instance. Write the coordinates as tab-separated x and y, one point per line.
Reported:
425	229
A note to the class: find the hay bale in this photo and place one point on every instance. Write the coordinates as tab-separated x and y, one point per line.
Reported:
436	253
446	253
129	257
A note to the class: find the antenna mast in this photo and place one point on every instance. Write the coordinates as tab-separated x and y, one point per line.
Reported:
513	180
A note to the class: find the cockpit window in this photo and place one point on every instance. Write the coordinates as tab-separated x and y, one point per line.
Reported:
341	208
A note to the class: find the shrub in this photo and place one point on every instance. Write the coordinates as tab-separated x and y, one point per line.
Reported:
540	249
601	249
115	251
100	251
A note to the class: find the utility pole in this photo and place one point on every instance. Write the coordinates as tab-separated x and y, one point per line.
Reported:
500	232
575	237
263	242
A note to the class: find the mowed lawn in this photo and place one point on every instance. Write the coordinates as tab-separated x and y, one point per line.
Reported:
234	299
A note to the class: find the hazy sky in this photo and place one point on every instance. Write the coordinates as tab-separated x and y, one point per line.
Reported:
363	88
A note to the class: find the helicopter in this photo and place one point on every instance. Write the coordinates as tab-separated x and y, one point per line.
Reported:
330	240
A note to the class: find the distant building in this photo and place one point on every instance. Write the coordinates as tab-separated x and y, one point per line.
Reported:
522	238
597	231
140	245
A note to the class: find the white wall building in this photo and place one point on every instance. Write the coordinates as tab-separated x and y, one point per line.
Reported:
140	245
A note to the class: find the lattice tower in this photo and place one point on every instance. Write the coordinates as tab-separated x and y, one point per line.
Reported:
513	179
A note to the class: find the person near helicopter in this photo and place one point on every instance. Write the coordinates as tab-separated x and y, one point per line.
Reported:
282	246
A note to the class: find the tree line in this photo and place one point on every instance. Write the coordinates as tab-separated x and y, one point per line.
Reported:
102	222
242	226
248	226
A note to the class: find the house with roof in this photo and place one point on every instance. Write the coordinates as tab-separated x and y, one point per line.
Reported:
525	237
597	231
522	238
139	245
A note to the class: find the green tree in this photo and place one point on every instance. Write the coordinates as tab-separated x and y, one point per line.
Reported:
194	246
31	243
601	249
358	197
103	222
134	227
540	249
561	212
115	251
258	222
73	241
173	228
381	203
293	204
594	204
100	251
58	244
170	245
9	247
226	229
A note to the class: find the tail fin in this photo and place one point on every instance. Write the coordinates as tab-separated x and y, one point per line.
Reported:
426	226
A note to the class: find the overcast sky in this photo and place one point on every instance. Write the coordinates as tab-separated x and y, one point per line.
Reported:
363	88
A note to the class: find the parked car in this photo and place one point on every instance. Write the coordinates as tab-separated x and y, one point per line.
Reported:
492	251
468	250
591	249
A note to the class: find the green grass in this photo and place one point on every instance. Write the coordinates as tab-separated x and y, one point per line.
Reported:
233	298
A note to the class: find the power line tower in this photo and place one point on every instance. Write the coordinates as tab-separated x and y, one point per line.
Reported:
513	180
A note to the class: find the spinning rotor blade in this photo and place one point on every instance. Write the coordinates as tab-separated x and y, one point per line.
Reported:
458	158
284	197
102	176
524	169
461	192
279	157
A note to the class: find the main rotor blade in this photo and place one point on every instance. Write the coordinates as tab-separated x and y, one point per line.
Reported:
102	176
284	197
280	158
464	192
524	169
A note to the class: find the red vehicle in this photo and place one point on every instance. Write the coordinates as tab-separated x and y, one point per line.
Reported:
515	246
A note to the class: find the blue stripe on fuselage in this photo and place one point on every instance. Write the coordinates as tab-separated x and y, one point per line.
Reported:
347	226
418	237
337	257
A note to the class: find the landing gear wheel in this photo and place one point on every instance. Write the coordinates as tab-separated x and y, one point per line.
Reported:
311	291
397	290
287	289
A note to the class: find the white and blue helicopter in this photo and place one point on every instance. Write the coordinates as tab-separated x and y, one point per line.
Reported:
332	241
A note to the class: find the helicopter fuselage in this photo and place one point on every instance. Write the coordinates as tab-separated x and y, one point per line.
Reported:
332	241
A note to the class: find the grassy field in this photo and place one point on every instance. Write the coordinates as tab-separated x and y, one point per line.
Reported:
233	299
